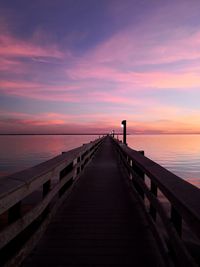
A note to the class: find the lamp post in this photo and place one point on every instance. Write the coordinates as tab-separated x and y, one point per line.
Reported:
124	131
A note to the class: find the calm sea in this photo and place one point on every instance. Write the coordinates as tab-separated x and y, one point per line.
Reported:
178	153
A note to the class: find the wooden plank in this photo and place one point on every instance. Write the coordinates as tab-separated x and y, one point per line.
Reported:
100	224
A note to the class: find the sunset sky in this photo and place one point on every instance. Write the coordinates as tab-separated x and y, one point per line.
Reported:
71	66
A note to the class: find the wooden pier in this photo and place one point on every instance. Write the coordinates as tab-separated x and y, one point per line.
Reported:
102	204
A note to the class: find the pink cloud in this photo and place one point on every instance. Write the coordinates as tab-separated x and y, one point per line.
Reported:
116	59
11	46
39	91
75	93
182	45
114	98
43	126
60	118
10	65
172	122
158	44
163	126
43	122
106	74
133	80
112	61
98	125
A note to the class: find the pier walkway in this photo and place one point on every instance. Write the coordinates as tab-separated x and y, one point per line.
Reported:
101	223
100	204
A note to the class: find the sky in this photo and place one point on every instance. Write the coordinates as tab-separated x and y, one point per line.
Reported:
83	66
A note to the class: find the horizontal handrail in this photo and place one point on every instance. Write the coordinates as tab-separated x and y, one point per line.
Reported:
53	177
183	197
16	186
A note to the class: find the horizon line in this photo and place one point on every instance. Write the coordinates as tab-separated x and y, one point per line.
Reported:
175	133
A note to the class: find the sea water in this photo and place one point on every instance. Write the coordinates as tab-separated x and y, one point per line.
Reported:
178	153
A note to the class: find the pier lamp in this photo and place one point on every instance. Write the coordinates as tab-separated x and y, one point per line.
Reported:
123	124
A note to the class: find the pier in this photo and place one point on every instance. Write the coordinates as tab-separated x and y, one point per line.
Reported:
101	204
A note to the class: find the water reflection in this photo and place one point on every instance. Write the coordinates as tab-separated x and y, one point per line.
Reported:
178	153
23	151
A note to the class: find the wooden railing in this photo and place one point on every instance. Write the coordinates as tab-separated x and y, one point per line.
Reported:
172	203
28	199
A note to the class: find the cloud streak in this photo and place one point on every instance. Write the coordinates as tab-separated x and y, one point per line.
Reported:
114	73
12	47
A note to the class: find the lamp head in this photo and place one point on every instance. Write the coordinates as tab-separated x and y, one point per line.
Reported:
123	122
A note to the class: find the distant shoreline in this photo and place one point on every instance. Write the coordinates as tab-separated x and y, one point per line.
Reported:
62	134
100	134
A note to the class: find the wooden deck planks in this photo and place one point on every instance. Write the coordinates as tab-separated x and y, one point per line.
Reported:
100	224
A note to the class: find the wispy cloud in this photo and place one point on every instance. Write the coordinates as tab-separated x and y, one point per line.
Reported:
12	47
106	73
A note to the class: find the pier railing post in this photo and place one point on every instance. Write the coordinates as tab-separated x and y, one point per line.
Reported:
183	207
14	213
154	191
176	220
29	199
46	188
141	174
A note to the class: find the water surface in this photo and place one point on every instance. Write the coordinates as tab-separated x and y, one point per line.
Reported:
178	153
22	151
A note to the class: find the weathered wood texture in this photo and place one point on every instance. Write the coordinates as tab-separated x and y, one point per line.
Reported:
101	223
